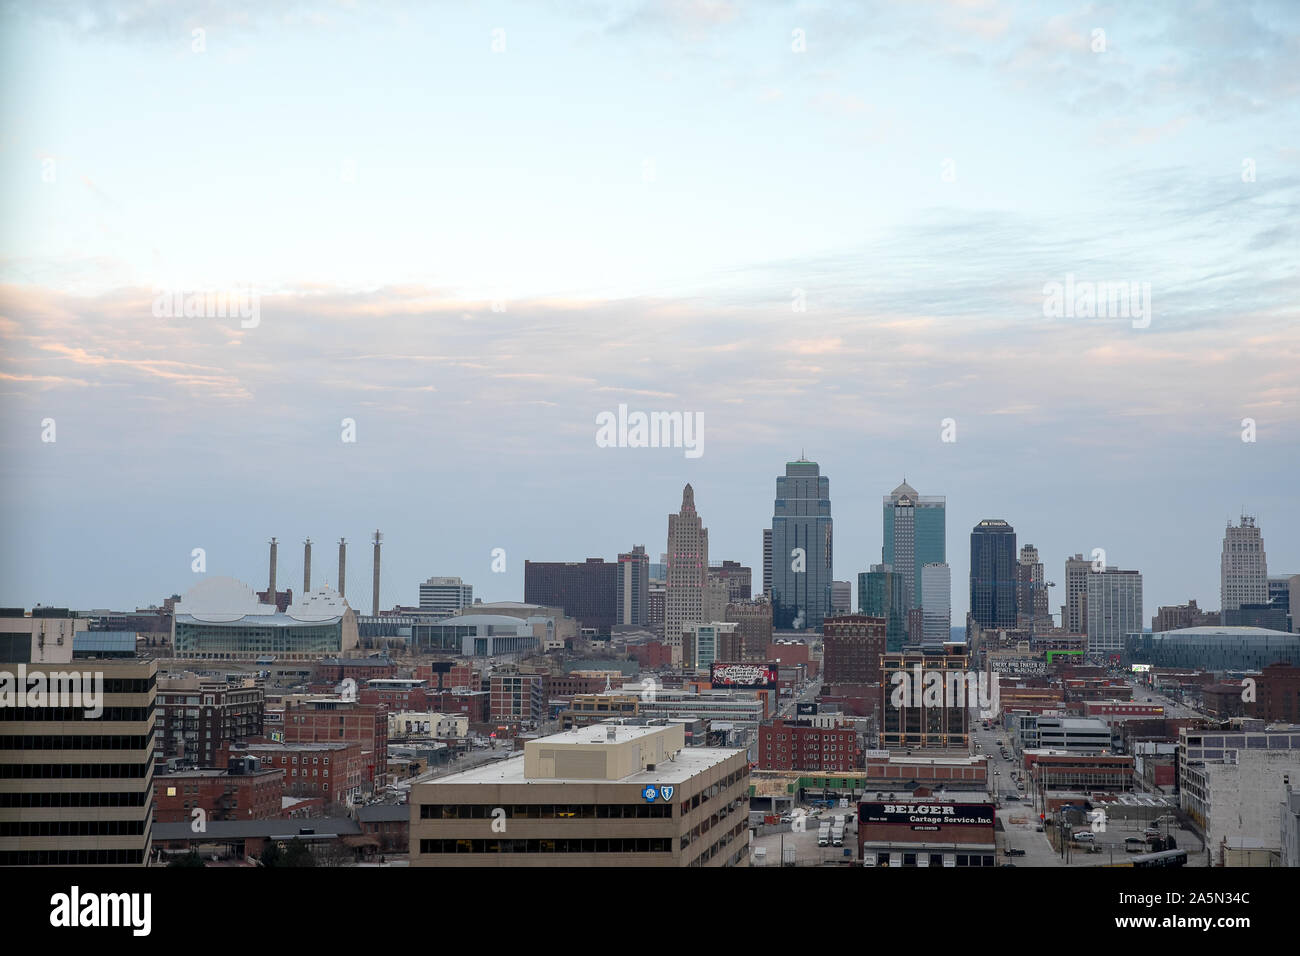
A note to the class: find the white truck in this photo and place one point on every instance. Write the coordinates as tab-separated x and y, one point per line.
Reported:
824	834
837	832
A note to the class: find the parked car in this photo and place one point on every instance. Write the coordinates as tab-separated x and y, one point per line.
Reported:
1012	851
1135	845
1084	836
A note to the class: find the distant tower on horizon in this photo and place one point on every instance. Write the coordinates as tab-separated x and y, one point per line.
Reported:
270	588
375	602
1243	568
802	547
343	565
687	574
306	566
915	532
767	563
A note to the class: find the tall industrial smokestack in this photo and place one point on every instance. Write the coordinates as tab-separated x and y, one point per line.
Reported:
306	566
375	603
343	565
271	586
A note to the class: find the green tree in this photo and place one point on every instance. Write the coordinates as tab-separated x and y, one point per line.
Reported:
272	856
298	854
189	859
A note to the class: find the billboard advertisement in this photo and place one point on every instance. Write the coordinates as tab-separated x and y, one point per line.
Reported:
748	676
927	816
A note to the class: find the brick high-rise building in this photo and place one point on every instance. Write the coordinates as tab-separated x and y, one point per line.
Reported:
518	696
1178	616
736	577
852	646
1277	694
754	630
196	717
1074	616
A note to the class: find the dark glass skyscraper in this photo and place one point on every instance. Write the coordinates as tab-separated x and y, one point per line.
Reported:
801	547
993	573
881	594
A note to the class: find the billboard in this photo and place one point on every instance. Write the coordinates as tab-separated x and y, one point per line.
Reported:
748	676
805	708
927	816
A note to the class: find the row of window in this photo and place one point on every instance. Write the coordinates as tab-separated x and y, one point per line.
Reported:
72	858
98	798
72	771
612	845
56	828
29	714
546	811
934	859
75	742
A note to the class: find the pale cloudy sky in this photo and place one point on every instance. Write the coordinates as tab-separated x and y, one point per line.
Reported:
649	190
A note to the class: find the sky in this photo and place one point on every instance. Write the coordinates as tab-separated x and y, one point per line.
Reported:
470	229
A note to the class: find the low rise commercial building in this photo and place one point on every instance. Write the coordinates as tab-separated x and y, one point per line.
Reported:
920	829
604	795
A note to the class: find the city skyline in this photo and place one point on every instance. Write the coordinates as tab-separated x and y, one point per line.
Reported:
489	586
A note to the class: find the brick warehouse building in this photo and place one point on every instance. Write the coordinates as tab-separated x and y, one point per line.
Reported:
852	645
926	829
243	792
798	745
336	772
309	719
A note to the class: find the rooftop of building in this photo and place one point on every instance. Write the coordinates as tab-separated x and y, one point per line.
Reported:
1216	630
274	829
224	600
685	764
286	747
937	796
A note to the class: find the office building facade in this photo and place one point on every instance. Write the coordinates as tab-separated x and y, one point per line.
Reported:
610	794
882	594
915	535
1114	611
936	603
634	587
587	590
445	595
